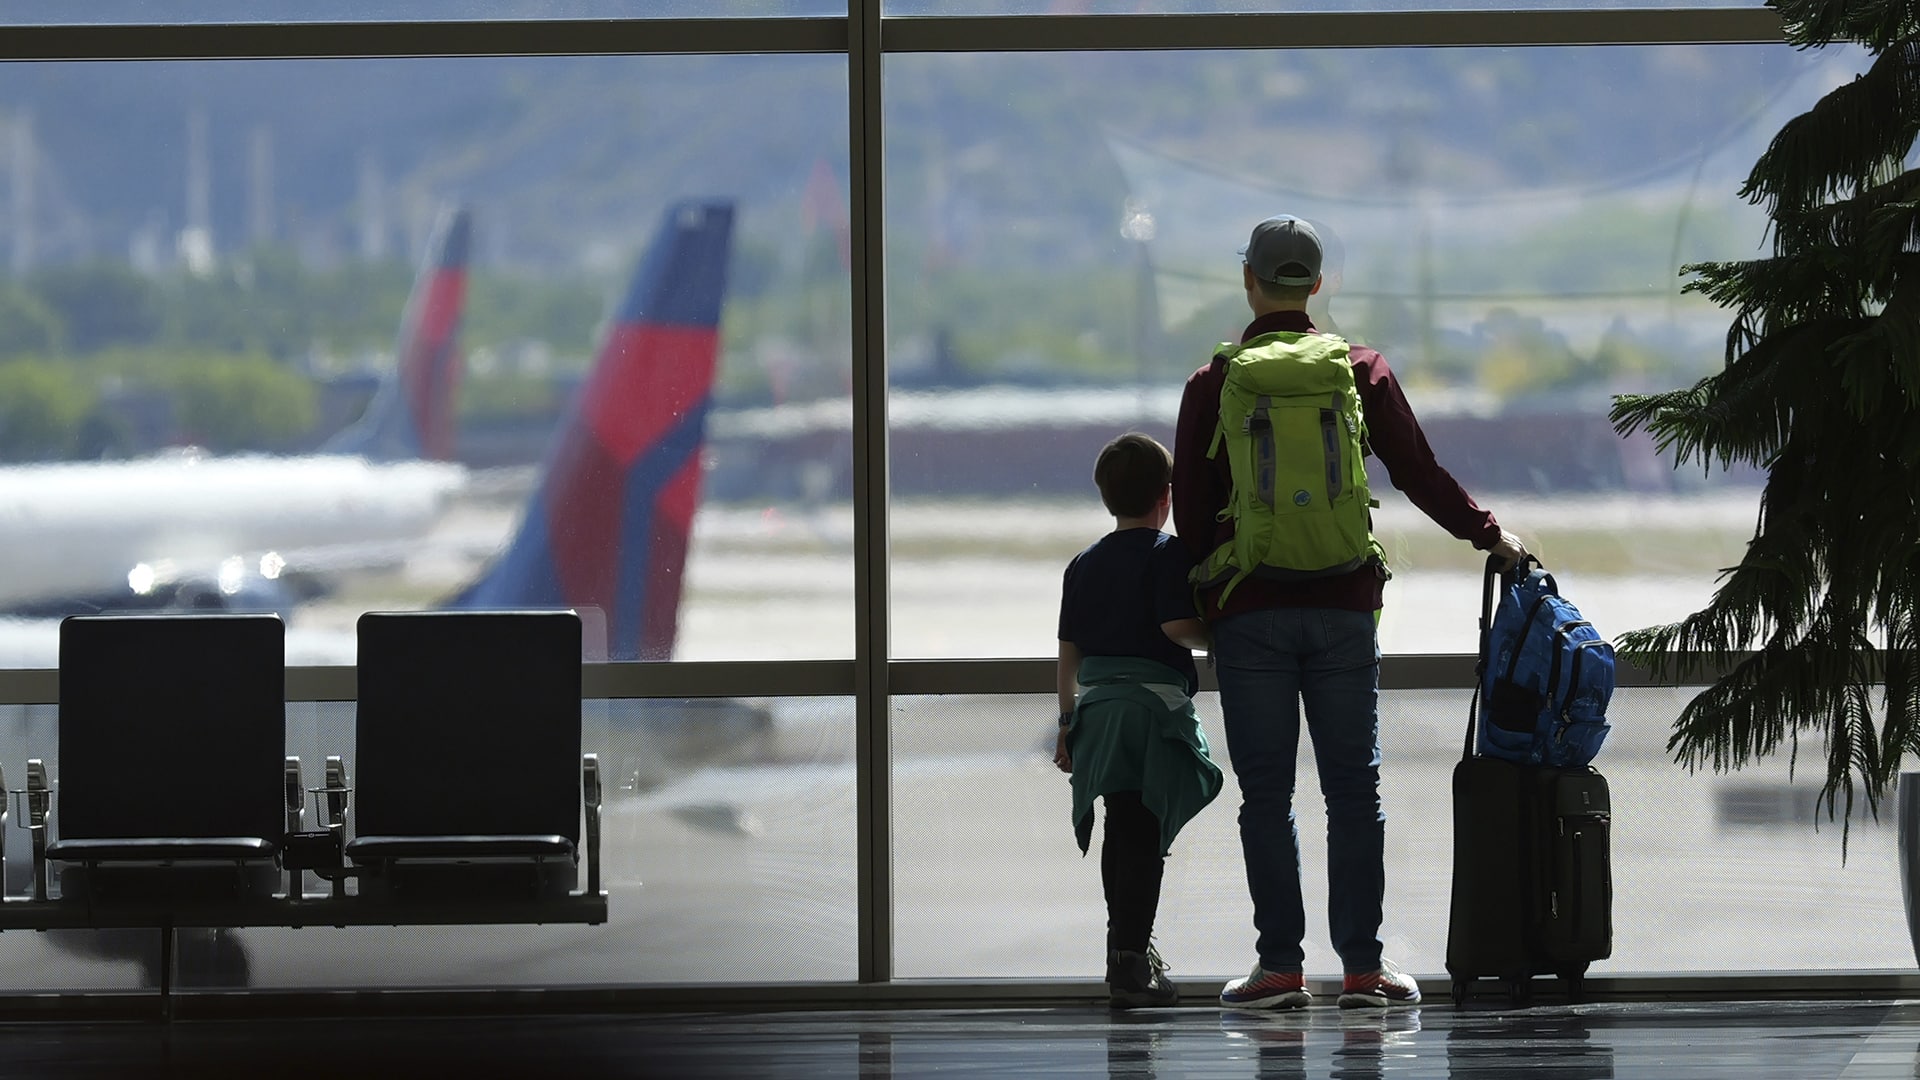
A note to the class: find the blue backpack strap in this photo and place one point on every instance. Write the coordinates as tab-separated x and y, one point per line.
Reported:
1526	624
1562	635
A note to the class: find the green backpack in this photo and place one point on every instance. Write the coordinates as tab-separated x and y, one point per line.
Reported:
1291	426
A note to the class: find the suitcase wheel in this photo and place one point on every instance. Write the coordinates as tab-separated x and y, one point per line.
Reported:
1520	993
1462	989
1576	987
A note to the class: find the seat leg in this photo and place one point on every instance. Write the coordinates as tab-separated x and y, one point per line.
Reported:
166	972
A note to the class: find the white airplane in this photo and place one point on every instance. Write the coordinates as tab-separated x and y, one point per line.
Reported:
188	529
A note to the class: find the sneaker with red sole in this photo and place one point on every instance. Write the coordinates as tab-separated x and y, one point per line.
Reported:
1379	989
1263	989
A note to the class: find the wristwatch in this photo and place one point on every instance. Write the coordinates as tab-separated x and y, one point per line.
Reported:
1066	718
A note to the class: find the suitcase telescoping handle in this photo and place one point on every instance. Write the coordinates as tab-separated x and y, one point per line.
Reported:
1495	578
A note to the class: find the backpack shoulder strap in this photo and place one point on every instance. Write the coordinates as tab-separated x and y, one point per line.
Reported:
1222	353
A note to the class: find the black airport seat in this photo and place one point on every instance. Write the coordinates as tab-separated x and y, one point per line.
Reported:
467	755
172	759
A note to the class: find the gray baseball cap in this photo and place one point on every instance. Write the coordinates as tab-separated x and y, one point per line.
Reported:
1284	250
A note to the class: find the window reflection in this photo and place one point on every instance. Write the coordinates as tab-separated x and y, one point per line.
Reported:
323	337
987	877
1061	256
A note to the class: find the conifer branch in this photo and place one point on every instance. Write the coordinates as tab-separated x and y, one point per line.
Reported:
1837	147
1877	24
1821	388
1887	349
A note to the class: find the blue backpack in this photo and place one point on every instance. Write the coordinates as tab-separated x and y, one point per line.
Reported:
1545	674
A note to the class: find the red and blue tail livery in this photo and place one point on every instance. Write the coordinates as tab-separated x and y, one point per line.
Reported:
412	414
608	527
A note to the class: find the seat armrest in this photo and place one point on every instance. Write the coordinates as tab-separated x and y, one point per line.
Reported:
39	794
296	796
39	806
590	790
336	791
333	819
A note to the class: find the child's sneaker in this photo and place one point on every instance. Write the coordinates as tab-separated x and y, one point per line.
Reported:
1263	989
1138	978
1379	989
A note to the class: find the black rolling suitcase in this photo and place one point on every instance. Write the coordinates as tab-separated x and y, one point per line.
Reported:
1532	870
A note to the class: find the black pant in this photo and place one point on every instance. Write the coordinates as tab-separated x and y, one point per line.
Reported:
1130	869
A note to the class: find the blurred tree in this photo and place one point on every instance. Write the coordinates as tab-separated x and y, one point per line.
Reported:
565	314
1624	359
28	327
230	403
100	303
509	394
1821	389
222	401
41	406
1517	353
270	302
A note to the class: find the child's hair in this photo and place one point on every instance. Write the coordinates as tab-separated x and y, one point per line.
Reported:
1132	472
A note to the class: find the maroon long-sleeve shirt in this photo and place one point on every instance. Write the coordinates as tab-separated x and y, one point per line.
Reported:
1394	439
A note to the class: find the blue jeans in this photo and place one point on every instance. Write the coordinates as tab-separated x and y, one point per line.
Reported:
1269	663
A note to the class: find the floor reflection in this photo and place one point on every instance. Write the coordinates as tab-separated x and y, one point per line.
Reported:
1552	1047
1316	1042
1670	1040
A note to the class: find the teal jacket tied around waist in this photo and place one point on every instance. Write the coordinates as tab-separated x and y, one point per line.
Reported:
1134	729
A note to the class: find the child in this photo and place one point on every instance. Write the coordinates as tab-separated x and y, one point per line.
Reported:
1127	635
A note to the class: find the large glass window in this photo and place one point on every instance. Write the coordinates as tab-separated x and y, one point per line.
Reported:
988	878
225	296
1507	226
218	391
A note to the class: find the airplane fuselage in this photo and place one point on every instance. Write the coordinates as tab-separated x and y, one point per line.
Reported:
84	529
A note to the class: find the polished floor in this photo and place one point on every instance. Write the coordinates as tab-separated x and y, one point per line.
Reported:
1680	1041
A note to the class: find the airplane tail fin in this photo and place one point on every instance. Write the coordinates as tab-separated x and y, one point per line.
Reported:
412	414
608	525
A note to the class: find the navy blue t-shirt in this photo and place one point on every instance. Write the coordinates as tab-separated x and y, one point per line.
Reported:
1118	592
